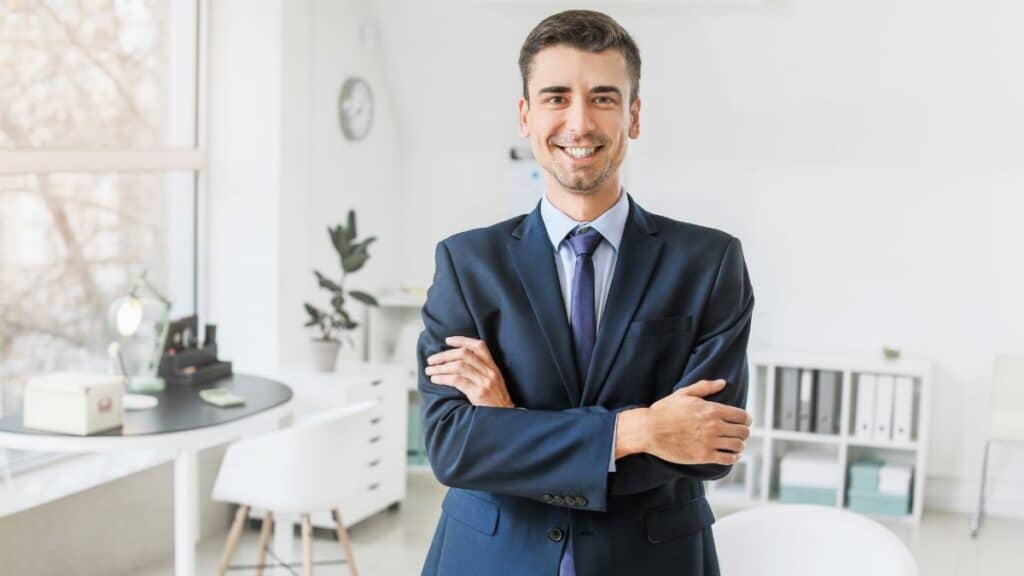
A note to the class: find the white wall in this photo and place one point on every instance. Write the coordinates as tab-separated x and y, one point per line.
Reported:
867	154
281	171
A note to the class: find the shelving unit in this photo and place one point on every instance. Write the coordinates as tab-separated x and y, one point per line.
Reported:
754	479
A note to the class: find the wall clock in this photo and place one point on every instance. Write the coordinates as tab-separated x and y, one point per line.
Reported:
355	108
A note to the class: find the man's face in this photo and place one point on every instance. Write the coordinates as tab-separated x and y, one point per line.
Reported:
579	118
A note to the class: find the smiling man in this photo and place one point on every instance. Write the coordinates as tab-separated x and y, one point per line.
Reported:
584	365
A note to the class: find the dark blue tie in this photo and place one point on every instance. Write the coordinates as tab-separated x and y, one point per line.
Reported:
584	330
582	319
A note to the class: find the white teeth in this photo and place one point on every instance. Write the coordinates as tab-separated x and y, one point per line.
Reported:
580	152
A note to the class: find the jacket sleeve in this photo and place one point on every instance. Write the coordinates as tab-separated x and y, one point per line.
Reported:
557	457
720	351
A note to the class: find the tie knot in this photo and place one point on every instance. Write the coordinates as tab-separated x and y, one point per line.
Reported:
584	241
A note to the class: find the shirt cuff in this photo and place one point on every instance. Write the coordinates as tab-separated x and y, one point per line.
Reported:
611	458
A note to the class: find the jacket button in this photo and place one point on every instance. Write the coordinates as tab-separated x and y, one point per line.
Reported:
558	500
581	501
548	498
555	534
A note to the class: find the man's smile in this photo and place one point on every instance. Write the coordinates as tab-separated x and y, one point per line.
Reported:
579	153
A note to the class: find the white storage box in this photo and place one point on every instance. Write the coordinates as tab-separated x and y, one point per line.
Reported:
73	402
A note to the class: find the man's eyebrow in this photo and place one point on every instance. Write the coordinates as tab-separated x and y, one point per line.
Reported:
594	90
554	90
606	89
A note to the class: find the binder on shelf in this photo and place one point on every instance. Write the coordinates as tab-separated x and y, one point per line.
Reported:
883	409
788	398
903	409
864	416
805	413
829	397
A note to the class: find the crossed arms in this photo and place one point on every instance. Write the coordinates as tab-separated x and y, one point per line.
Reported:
475	440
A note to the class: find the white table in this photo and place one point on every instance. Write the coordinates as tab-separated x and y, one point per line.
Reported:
181	422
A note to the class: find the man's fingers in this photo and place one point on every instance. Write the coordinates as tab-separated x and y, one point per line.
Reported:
478	347
453	380
735	431
724	458
449	355
730	444
465	367
704	388
733	415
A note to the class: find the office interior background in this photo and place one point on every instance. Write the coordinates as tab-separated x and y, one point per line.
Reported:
867	154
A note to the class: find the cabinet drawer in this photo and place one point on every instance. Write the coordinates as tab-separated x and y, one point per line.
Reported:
370	389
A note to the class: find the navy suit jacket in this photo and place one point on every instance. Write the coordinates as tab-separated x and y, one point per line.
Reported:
678	311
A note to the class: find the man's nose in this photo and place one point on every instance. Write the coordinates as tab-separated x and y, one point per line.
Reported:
578	118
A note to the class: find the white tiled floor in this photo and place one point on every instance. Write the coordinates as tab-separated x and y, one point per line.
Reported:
395	543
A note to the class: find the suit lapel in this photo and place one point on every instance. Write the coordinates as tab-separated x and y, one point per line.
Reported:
636	261
534	260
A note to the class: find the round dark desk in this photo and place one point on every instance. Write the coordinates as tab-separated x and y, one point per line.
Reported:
181	421
180	410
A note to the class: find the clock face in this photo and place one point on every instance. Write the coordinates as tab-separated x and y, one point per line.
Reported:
355	108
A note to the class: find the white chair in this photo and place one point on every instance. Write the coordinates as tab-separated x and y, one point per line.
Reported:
298	470
806	540
1006	425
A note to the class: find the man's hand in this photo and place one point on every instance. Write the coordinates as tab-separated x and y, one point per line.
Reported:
469	367
684	428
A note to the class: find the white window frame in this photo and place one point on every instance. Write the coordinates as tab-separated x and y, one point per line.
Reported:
192	159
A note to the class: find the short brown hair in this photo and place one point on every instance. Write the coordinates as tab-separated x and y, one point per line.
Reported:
584	30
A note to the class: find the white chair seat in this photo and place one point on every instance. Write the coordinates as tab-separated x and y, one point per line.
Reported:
309	467
300	469
806	540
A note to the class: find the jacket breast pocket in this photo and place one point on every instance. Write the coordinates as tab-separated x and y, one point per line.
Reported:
475	512
667	325
676	520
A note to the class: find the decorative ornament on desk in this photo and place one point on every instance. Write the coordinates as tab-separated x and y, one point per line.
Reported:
331	322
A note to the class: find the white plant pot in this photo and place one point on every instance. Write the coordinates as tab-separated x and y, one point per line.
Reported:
325	354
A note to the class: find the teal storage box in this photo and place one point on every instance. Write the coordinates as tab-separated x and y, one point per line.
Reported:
864	475
807	495
875	503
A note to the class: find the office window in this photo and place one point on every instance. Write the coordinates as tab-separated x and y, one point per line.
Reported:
100	171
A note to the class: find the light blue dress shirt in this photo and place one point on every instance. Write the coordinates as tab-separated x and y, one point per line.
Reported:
610	224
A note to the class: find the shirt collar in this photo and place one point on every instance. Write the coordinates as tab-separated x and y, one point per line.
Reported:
610	224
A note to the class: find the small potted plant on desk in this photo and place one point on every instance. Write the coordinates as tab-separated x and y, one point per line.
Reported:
336	320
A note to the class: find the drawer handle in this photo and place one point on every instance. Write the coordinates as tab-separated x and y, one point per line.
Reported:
373	486
375	439
376	382
375	420
374	462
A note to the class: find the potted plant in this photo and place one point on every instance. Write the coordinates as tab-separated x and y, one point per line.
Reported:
336	320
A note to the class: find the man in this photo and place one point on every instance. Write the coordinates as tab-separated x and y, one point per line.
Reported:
583	365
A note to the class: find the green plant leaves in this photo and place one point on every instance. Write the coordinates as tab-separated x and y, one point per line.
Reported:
327	283
353	256
363	297
351	224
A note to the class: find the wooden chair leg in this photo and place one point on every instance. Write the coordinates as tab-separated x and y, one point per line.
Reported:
265	530
307	546
233	537
346	546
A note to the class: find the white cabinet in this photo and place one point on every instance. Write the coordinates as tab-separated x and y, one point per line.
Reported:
755	479
382	473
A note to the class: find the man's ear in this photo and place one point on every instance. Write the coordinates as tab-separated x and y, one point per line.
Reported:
634	119
524	108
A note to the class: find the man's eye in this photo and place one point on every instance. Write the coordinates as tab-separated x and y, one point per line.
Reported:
604	100
556	100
